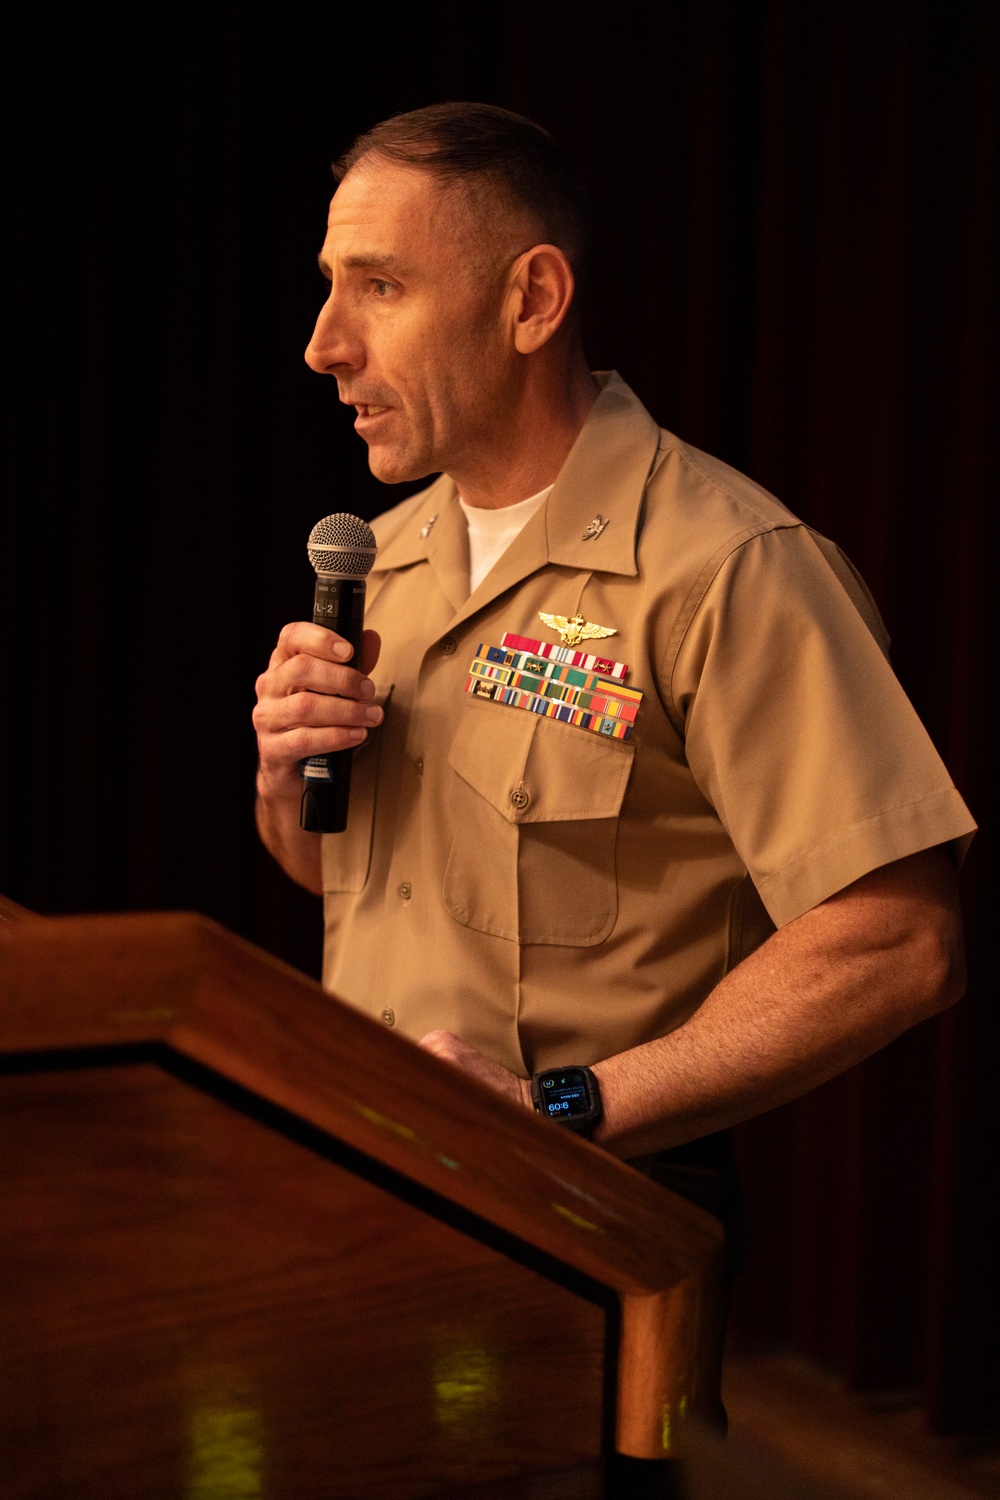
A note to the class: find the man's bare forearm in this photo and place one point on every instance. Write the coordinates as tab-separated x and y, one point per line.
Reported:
824	992
297	852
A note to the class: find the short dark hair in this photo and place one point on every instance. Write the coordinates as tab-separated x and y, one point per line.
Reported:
509	153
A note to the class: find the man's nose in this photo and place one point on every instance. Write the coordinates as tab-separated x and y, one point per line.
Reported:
332	345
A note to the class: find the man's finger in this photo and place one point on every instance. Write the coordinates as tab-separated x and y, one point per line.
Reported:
443	1044
310	674
301	638
317	711
294	745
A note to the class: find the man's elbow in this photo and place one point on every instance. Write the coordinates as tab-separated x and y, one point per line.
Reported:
924	955
936	971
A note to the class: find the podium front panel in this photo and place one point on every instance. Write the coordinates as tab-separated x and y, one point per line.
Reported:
196	1305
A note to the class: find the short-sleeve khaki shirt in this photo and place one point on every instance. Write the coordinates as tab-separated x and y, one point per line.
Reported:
554	896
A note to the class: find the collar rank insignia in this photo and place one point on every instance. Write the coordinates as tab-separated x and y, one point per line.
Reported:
575	630
428	527
594	529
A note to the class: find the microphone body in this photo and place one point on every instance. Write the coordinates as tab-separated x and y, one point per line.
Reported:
342	550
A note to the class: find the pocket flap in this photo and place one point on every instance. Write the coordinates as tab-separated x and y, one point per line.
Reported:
537	770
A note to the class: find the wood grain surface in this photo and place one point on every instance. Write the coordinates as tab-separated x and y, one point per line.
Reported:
10	911
183	982
178	978
195	1306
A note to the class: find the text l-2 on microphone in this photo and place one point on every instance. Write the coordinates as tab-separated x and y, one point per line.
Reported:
342	550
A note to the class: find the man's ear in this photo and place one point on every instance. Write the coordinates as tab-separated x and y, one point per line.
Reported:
542	288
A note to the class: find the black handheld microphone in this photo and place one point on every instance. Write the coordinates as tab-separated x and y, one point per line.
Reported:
342	550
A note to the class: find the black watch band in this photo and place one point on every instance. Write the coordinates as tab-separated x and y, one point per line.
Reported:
570	1097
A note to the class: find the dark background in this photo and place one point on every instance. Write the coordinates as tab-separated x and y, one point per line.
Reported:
796	269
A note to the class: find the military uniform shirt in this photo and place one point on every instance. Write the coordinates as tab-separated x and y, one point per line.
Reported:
552	895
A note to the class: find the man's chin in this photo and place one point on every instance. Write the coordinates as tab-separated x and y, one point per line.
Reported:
396	468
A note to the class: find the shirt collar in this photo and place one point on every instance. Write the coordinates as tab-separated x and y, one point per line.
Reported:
604	476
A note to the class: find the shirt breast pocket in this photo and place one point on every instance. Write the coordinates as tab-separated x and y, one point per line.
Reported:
346	856
535	808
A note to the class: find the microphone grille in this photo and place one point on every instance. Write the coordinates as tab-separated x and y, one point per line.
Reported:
342	544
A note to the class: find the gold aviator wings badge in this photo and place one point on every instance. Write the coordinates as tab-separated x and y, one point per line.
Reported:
576	630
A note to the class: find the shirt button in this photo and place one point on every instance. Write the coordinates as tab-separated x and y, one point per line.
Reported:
406	890
389	1017
449	646
419	763
520	798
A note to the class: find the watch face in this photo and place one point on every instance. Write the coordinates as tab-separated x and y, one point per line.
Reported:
565	1094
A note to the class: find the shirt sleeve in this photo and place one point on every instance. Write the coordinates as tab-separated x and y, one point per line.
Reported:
797	730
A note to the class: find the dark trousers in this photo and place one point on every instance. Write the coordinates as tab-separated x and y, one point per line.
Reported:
704	1172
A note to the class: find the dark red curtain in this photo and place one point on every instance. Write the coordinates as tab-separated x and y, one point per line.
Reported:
797	239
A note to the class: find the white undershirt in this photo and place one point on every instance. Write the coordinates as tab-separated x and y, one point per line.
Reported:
492	531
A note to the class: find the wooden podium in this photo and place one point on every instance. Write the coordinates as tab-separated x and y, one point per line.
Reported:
256	1245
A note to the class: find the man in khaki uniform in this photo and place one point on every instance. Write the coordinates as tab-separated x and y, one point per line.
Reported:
753	891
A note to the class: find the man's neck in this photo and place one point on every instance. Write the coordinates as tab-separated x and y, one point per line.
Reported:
545	424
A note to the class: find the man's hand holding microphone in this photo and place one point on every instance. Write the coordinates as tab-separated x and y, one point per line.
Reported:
314	703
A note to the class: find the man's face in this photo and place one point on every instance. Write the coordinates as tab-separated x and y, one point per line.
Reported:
413	328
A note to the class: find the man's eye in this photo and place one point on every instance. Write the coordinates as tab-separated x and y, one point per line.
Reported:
381	288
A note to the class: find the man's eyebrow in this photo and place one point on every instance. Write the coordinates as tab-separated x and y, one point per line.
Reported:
368	260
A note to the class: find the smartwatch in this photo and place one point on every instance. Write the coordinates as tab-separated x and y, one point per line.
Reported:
570	1097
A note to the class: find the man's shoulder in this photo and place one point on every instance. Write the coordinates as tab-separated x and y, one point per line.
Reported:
713	495
705	515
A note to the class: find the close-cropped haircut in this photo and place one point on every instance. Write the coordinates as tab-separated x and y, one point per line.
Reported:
509	155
